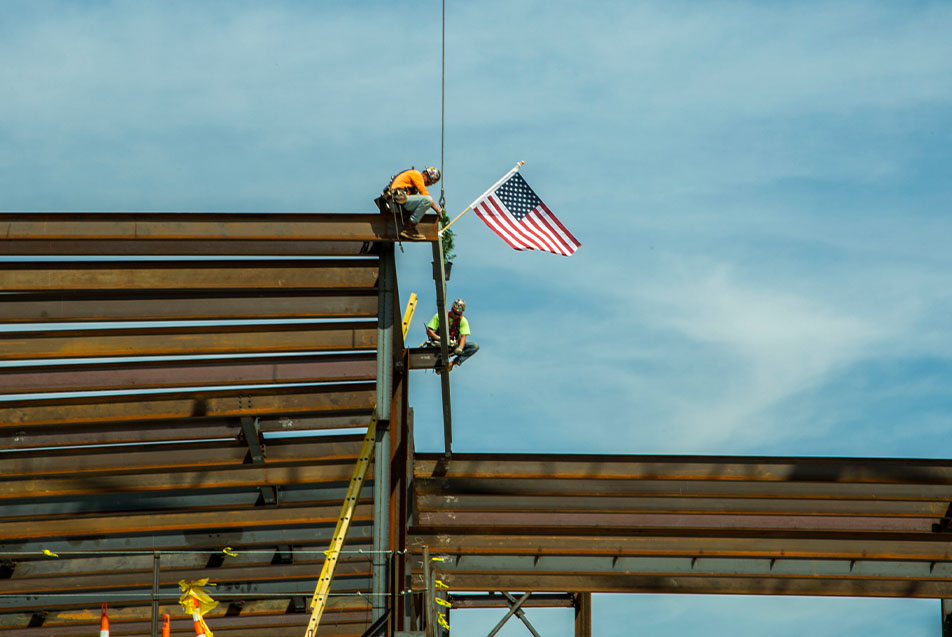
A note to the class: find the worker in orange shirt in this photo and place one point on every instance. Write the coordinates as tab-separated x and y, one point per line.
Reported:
408	190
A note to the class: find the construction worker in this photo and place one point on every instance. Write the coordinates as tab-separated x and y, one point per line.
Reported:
408	190
458	332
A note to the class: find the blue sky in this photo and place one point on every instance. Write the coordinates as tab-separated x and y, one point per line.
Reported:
761	189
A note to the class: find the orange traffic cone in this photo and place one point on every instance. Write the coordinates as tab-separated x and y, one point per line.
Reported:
166	629
104	623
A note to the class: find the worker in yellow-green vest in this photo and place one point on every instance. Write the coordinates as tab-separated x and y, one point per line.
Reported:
458	329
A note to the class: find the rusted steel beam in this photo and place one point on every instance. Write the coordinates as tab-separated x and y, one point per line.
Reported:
189	275
779	567
148	306
160	341
927	547
539	600
178	540
173	247
195	481
283	401
303	569
156	522
188	226
165	431
769	469
676	505
135	459
206	373
350	586
675	521
338	608
338	625
701	488
651	583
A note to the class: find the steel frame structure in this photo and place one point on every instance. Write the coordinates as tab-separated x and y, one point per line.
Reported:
184	395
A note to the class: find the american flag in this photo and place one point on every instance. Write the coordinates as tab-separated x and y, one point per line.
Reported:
517	215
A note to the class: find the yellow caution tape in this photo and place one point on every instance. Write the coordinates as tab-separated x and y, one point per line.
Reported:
441	620
443	602
437	559
192	590
440	584
229	551
50	553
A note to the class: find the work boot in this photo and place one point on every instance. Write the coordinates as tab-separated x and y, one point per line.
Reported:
411	233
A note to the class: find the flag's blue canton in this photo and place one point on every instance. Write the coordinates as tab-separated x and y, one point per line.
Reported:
517	196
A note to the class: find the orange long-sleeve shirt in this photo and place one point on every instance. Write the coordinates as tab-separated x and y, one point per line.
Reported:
411	180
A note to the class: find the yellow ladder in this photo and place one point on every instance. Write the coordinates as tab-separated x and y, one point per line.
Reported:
321	592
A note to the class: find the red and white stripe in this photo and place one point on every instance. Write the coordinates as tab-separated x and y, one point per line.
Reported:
539	230
197	620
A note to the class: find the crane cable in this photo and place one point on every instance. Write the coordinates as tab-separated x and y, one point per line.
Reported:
443	118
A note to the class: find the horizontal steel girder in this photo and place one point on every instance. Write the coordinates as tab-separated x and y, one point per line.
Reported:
871	471
197	228
284	401
167	431
202	305
124	375
150	522
149	458
685	584
191	340
190	275
209	541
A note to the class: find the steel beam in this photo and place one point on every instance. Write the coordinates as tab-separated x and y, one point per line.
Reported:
285	401
583	615
17	227
126	375
142	459
143	482
352	274
540	543
55	307
167	431
439	279
188	341
382	451
154	522
682	585
872	471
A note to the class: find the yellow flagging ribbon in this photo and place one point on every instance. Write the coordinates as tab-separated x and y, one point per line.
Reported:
50	553
437	559
229	551
441	620
443	602
441	584
192	590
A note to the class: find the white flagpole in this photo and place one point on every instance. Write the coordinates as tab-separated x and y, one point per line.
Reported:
488	190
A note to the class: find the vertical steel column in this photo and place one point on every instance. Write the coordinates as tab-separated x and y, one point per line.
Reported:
385	339
155	594
439	276
946	618
583	615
